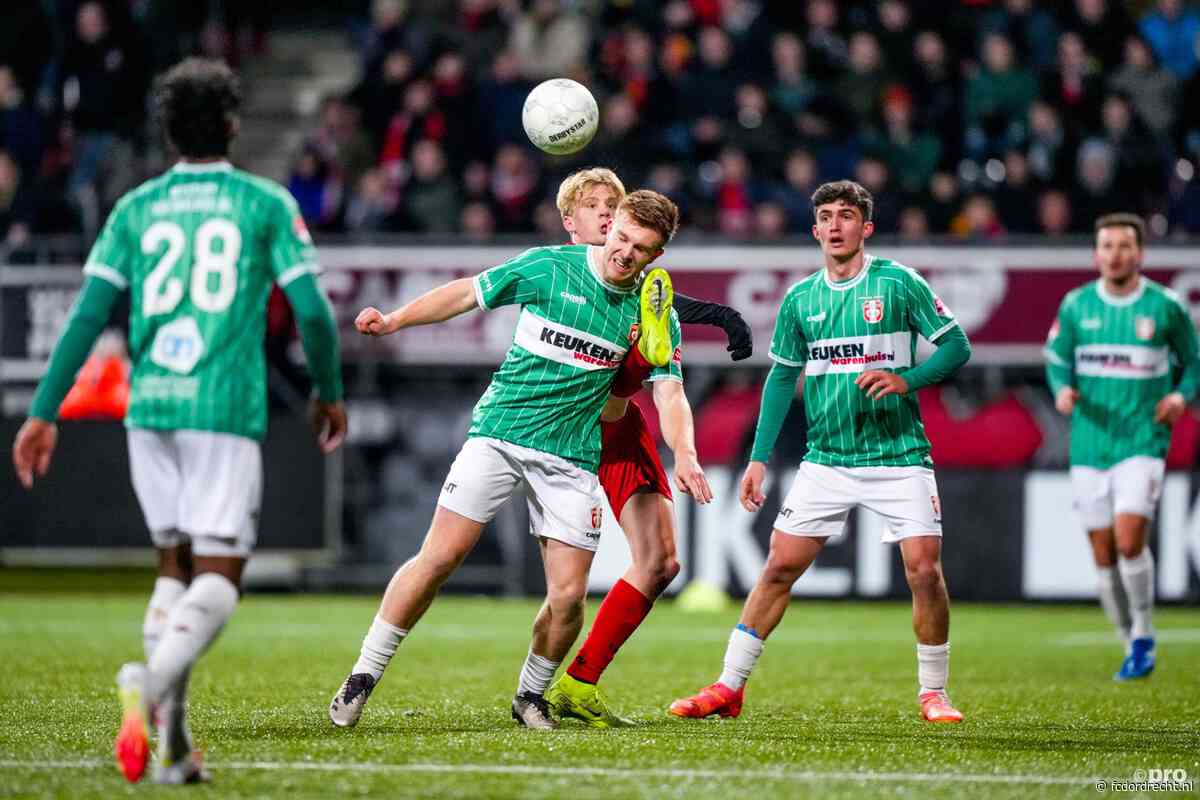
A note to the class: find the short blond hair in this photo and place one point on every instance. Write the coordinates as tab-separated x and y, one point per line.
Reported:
575	184
652	210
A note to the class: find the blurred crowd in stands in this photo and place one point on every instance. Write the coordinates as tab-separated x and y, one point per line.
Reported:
75	78
979	119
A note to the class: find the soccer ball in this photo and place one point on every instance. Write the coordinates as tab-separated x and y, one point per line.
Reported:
560	116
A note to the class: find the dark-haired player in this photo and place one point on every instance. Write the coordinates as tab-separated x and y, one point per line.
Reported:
1109	361
851	329
197	249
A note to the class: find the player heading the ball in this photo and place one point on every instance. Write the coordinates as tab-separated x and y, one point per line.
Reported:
537	425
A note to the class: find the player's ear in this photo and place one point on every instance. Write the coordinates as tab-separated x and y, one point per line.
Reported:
568	223
816	235
868	229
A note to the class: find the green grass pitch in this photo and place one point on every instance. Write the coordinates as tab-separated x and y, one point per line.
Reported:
831	712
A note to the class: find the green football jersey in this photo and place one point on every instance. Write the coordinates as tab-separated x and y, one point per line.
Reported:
198	248
1119	353
572	333
836	331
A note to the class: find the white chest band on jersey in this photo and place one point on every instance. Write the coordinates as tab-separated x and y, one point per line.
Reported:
852	354
566	345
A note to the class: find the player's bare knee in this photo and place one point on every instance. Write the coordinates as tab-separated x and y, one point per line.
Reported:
439	564
669	569
661	571
1129	548
923	576
781	571
566	598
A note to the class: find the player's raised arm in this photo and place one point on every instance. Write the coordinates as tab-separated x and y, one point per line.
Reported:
437	305
702	312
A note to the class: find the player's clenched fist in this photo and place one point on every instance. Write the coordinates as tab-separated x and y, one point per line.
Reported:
1170	409
1065	400
371	322
751	491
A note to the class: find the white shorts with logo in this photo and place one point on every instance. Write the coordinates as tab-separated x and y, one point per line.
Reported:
198	486
565	502
821	498
1132	486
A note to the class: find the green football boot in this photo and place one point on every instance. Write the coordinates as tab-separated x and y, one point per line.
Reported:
583	701
654	338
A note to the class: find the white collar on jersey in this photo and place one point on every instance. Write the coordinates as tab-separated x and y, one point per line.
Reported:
850	284
1122	299
594	253
206	166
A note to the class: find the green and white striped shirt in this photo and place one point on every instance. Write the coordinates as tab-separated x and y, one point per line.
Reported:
836	331
572	333
198	249
1123	354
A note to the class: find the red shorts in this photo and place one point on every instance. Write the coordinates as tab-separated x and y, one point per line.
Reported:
629	459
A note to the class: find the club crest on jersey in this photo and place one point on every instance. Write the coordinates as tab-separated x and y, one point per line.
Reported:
301	230
1143	328
873	309
633	333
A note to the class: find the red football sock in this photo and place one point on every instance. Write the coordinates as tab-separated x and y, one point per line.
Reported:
619	616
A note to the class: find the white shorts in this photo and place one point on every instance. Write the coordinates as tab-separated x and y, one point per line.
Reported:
564	500
1132	486
821	498
200	486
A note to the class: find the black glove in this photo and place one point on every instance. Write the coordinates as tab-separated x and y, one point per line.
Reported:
741	338
701	312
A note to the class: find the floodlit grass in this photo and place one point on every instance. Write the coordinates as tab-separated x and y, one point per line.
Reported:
831	711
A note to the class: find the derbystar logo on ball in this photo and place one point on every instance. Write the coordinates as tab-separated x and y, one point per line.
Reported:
560	116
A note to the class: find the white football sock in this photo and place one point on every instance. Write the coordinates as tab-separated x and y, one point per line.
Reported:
933	667
166	592
1137	577
174	737
536	674
193	624
378	647
1114	601
740	657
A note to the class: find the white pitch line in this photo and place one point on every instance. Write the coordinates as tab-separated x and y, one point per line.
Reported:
1087	639
805	776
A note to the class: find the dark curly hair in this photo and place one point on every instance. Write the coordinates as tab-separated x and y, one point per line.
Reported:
851	193
196	102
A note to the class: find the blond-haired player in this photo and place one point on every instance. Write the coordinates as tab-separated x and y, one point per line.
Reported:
630	471
536	426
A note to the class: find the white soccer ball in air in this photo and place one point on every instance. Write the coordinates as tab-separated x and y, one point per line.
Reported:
560	116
